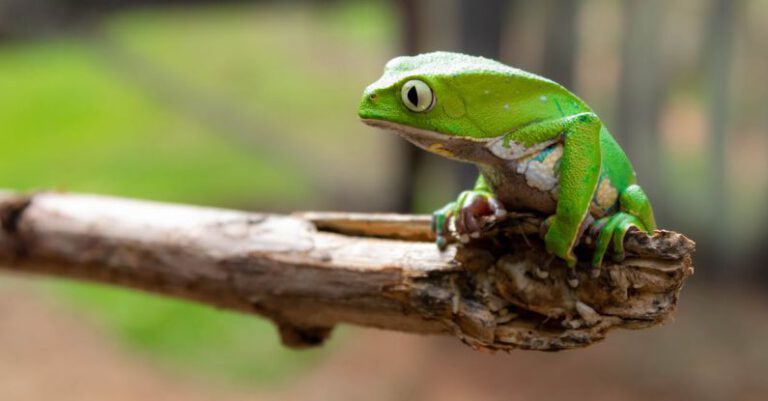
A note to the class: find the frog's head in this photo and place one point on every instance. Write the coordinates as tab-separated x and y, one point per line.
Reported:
438	101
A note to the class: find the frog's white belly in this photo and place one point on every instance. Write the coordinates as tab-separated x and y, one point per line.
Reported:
538	165
541	169
531	181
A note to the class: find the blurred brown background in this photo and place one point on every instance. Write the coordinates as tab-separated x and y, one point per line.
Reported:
251	104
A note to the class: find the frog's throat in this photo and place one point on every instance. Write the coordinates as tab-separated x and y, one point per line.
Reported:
460	148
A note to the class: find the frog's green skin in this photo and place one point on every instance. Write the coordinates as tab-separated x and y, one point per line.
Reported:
537	146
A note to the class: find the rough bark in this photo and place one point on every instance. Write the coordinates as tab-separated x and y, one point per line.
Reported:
309	272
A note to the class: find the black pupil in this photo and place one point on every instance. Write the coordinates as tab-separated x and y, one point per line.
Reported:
413	96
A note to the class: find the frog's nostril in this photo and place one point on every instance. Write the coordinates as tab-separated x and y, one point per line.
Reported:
372	97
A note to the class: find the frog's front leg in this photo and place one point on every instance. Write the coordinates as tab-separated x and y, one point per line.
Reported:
467	212
578	176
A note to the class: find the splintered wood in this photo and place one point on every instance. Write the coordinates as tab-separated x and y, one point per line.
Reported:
308	272
506	292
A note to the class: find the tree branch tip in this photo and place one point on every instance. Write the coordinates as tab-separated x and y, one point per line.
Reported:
312	271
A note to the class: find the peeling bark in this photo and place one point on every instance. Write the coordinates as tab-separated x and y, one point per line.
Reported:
308	272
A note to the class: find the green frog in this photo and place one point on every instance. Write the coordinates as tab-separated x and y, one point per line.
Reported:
537	146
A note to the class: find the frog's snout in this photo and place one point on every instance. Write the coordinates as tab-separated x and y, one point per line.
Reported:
368	104
370	94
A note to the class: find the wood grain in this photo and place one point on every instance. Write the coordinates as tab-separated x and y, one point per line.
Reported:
308	272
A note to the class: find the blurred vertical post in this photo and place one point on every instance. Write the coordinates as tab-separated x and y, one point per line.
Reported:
562	40
480	23
641	95
718	53
411	38
480	26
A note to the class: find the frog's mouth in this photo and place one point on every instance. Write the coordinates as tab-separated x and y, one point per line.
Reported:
451	146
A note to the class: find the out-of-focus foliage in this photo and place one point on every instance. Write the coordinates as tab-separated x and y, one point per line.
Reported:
207	343
69	121
133	109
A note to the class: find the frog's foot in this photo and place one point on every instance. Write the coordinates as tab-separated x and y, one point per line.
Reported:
613	228
466	217
558	241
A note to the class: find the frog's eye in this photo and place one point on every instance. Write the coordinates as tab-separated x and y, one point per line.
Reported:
417	96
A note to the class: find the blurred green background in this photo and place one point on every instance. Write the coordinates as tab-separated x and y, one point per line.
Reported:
233	105
252	105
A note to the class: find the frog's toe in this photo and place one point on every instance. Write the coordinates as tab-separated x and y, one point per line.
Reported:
477	210
497	208
466	218
605	233
620	232
560	246
467	222
440	224
614	229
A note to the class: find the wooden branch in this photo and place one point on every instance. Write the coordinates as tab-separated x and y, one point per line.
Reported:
309	272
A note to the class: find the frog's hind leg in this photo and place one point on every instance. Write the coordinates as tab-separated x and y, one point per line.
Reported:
634	201
634	211
613	227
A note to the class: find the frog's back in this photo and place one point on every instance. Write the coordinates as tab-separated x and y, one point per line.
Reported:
451	64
